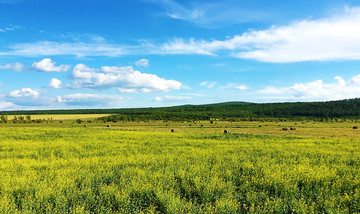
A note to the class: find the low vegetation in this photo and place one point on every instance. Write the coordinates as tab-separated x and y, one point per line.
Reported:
132	167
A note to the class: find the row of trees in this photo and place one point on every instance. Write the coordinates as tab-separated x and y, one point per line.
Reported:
233	111
20	119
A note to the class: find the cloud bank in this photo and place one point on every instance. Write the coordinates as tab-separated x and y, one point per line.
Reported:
125	79
90	100
316	90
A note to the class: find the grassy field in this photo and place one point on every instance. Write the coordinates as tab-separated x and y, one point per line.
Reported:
62	116
142	167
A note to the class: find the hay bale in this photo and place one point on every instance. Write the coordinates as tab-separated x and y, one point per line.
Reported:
355	127
292	128
173	130
108	126
285	129
226	131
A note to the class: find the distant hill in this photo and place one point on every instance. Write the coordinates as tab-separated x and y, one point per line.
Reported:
229	110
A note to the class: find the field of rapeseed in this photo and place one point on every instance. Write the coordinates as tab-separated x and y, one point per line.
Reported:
73	169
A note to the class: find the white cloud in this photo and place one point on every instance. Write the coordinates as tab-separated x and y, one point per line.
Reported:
331	38
236	86
334	38
130	91
172	98
355	79
46	65
28	97
55	83
143	63
91	100
241	87
9	28
13	66
125	79
208	84
209	14
179	46
25	92
80	49
6	105
316	90
271	90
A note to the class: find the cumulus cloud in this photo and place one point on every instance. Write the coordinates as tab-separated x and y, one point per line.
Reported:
316	90
142	62
90	100
55	83
172	98
125	79
28	97
25	92
47	65
13	67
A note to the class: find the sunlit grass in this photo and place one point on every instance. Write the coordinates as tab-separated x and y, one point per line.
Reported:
62	116
76	169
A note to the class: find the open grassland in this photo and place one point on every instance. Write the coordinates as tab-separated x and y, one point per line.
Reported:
142	167
61	116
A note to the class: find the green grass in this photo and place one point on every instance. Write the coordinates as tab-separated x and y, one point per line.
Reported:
64	169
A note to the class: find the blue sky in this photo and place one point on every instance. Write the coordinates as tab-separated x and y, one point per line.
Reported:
144	53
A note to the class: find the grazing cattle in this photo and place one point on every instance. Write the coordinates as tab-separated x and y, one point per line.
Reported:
285	129
85	125
355	127
201	125
173	130
108	126
226	131
292	128
259	126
